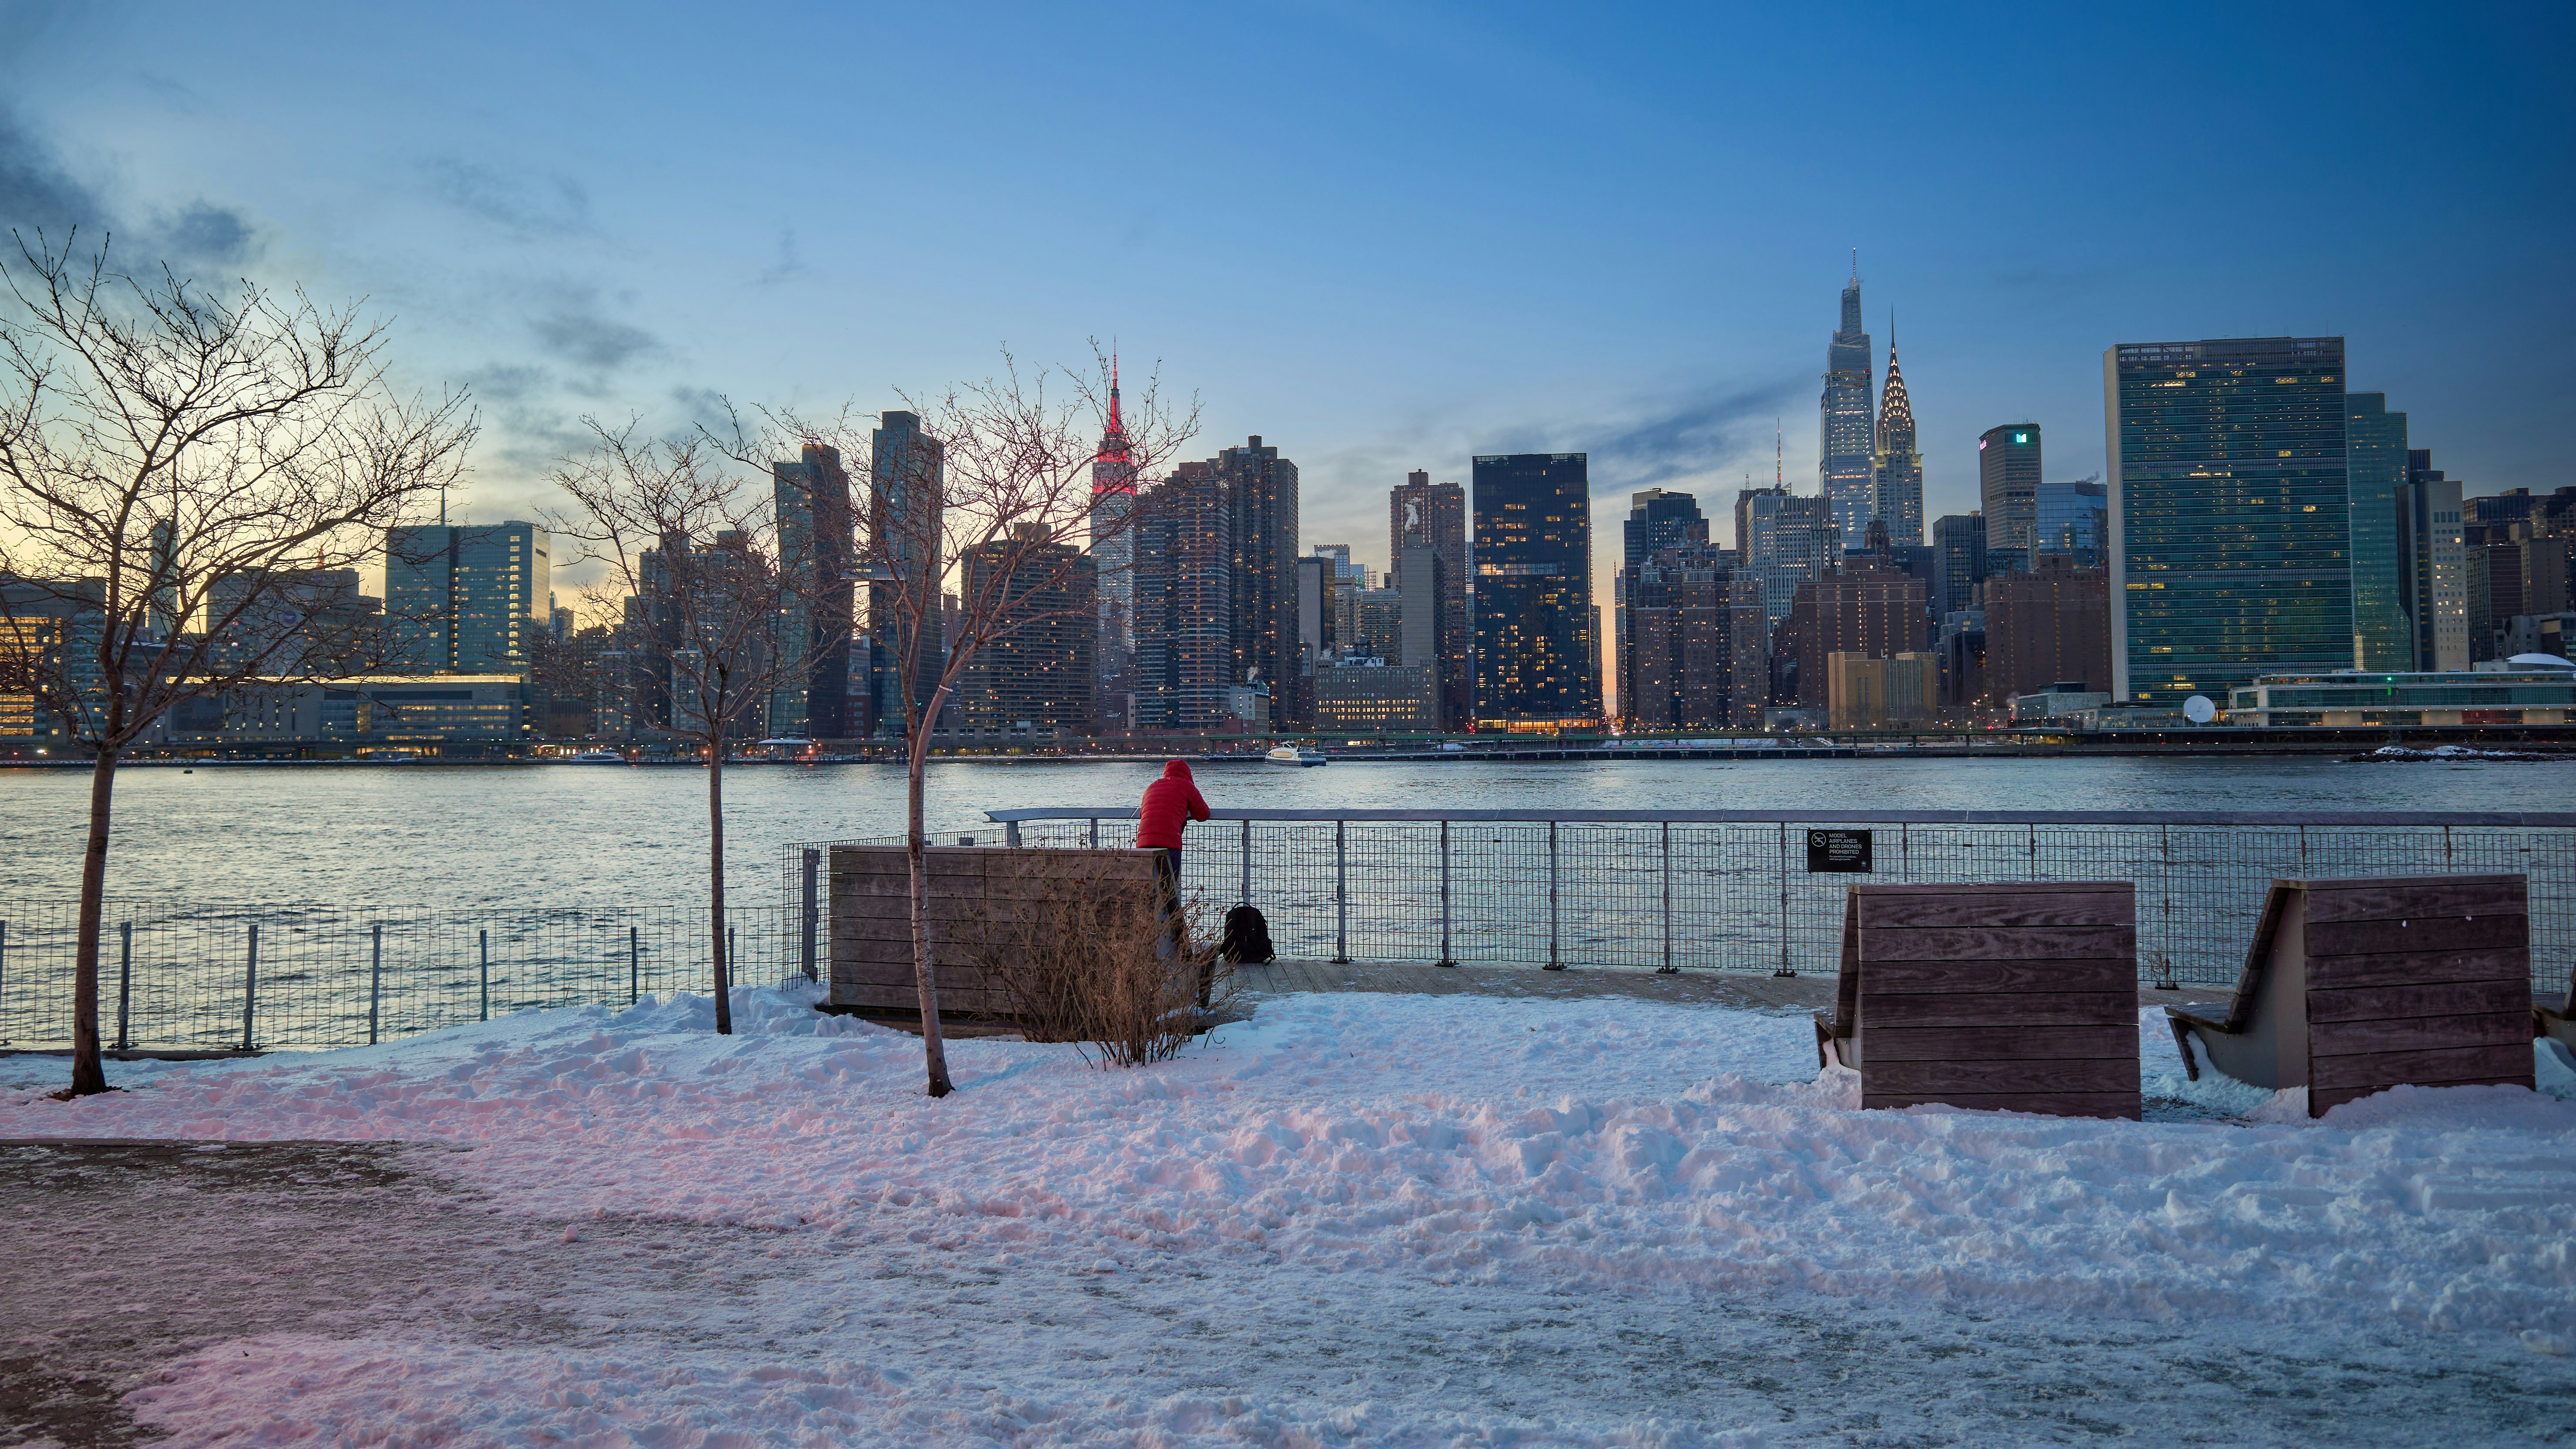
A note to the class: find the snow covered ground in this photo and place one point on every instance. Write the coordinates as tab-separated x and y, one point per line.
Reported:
1354	1219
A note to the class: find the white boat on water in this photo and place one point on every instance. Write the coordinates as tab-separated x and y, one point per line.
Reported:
1296	755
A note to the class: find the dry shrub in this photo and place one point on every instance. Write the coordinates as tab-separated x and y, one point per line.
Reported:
1097	963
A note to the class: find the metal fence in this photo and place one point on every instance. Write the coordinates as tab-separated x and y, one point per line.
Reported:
267	977
1733	890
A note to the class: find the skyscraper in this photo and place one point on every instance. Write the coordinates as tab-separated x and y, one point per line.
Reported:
1691	641
1113	560
1184	602
1848	441
907	479
812	496
1782	540
1538	660
2229	509
1437	514
1958	561
1659	518
1039	676
1896	469
2375	456
2007	480
465	598
2071	519
1261	498
2432	575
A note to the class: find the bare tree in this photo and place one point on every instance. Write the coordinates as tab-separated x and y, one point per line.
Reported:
174	456
995	475
720	586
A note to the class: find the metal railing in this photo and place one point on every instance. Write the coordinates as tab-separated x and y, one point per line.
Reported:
233	978
1732	890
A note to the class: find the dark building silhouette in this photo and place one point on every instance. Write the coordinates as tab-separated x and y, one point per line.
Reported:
1691	641
1538	658
2050	625
906	482
1260	489
1658	519
1868	607
1958	561
1184	602
812	496
1039	676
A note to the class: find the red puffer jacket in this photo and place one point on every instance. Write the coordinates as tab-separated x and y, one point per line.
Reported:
1171	803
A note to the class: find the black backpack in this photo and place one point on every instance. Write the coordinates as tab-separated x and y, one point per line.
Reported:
1247	938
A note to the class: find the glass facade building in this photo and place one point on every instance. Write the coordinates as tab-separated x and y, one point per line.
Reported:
2230	512
465	598
1538	657
1848	436
2374	442
2072	519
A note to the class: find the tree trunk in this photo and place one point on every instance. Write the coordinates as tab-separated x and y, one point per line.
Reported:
89	1073
933	1050
715	879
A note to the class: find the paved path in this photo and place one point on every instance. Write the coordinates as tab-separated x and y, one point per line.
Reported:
1743	992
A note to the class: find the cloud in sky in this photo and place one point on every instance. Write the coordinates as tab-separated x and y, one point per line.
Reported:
528	207
205	232
576	328
36	190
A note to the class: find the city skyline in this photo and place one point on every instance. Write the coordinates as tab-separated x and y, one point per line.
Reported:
556	263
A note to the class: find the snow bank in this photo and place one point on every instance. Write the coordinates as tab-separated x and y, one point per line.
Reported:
1600	1143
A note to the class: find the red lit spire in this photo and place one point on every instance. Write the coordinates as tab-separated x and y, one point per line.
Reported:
1113	467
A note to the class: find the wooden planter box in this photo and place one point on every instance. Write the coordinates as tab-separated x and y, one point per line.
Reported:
979	896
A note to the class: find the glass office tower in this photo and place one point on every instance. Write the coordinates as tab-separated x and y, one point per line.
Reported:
2007	482
1538	658
2374	442
465	598
2070	518
2230	508
1847	443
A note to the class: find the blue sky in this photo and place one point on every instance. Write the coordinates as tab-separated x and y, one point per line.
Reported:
1384	235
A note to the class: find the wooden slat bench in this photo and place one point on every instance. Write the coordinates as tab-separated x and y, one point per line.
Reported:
2019	996
977	893
2356	986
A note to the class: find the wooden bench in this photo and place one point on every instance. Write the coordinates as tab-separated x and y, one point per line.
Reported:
2018	996
2355	986
978	895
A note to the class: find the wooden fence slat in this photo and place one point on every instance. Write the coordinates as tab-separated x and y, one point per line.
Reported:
2405	898
2016	1043
2429	1067
2399	1035
2413	968
2452	998
2452	932
1958	943
2014	1008
2101	1074
2005	911
1938	978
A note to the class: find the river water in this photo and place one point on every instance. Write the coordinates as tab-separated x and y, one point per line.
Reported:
539	835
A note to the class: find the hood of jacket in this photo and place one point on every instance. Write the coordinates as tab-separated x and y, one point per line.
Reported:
1177	770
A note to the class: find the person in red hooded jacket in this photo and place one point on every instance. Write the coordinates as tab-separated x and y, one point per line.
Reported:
1170	804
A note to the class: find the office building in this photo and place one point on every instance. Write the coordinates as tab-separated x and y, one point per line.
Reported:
1366	694
907	481
1260	490
1538	660
2229	507
2008	460
1881	692
1867	607
1038	677
1659	518
1691	641
1436	514
2047	626
1896	467
1961	649
1315	635
2072	520
298	622
2383	638
50	631
1184	596
1847	435
1783	540
465	598
1958	561
410	712
1422	638
2356	699
2432	575
816	555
